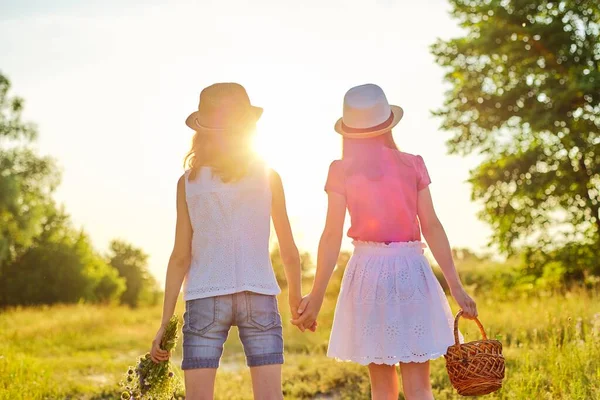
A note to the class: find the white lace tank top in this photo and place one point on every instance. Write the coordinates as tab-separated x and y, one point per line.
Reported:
231	225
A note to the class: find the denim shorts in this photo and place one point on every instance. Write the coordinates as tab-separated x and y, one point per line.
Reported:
206	324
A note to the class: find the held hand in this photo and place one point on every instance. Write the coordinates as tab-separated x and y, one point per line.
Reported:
309	310
294	302
465	302
156	353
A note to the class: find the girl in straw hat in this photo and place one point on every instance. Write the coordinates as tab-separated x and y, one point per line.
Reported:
225	201
391	309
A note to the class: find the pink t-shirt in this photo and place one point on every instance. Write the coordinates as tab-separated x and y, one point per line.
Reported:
384	210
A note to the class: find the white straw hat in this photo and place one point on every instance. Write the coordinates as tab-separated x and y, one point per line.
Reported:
367	113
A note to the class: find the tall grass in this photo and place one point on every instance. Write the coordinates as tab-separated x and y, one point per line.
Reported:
551	342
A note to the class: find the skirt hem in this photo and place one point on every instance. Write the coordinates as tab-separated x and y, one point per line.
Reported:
392	360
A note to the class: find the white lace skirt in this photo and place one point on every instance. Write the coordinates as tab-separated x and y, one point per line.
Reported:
391	308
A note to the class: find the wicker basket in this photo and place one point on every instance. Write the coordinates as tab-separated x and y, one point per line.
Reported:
475	368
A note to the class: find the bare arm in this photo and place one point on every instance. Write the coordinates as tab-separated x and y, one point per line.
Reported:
287	247
329	250
330	243
436	238
179	263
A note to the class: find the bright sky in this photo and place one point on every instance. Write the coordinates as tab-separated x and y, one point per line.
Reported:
110	83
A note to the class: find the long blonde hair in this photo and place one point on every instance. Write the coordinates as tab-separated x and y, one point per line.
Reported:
229	154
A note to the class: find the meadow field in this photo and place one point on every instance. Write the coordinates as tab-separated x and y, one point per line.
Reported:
551	342
502	100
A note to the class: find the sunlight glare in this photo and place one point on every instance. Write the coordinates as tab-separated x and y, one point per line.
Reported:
271	146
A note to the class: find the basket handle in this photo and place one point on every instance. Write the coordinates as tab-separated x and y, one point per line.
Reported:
458	315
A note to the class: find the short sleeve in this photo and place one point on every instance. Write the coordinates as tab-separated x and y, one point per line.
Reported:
335	179
423	179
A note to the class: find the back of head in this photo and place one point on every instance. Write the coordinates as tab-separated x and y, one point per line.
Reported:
225	124
366	126
229	156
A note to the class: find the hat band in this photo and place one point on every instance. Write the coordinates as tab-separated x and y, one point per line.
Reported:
381	126
241	122
199	125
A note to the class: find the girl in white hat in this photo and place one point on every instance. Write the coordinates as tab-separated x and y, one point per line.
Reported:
225	202
391	309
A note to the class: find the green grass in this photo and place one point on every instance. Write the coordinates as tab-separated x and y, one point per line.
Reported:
80	352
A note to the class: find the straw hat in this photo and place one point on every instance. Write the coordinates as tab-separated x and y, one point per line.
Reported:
367	113
223	107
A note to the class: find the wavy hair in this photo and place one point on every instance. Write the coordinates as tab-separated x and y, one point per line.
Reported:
228	154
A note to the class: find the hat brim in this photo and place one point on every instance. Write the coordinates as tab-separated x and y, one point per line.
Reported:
192	121
397	112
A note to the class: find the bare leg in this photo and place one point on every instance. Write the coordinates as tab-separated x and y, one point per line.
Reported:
416	381
200	383
266	382
384	382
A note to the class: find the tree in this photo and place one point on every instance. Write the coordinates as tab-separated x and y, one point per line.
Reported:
59	267
525	95
132	264
465	255
43	260
26	179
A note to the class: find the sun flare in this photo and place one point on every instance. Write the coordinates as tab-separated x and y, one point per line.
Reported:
265	148
273	148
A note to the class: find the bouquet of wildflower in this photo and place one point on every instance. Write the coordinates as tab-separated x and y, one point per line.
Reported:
148	380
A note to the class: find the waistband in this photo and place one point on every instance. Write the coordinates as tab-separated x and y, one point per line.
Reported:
391	249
